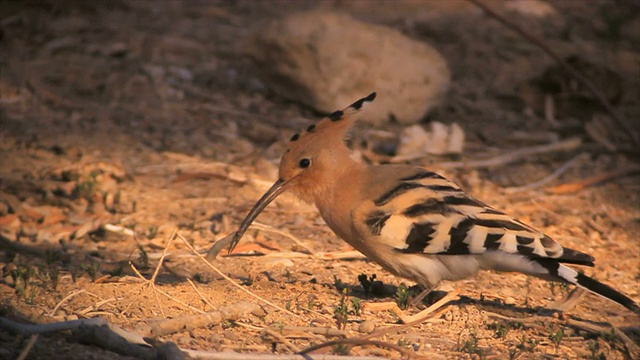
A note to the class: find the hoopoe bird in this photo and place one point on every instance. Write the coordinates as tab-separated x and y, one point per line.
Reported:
413	222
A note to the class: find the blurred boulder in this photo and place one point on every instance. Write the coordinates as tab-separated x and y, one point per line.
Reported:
327	60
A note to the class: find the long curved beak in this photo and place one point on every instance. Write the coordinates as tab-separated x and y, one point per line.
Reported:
276	189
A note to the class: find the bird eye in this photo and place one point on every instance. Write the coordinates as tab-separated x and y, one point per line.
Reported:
304	163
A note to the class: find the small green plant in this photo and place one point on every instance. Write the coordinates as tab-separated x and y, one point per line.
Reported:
555	335
287	305
92	269
338	283
564	287
341	311
470	346
341	349
404	343
311	301
594	348
367	283
228	324
143	258
356	305
152	231
609	336
528	344
500	329
403	294
22	276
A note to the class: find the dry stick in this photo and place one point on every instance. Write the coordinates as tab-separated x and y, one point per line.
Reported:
366	339
156	291
361	342
239	310
27	349
65	299
579	185
633	136
282	339
450	296
164	253
228	355
19	328
268	228
88	309
219	272
200	294
534	185
513	156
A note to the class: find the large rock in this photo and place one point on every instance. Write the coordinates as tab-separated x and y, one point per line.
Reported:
327	60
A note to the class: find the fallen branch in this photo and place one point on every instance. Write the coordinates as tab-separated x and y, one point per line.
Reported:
27	349
547	179
219	272
236	311
95	331
364	342
565	145
206	355
597	179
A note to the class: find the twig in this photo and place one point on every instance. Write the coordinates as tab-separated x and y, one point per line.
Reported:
156	291
78	292
187	323
363	342
229	355
219	272
202	297
27	349
164	253
570	301
559	171
268	228
633	136
424	315
19	328
282	339
565	145
579	185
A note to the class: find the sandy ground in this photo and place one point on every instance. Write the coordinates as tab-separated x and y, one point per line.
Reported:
126	121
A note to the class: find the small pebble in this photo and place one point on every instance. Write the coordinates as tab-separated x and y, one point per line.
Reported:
366	327
509	300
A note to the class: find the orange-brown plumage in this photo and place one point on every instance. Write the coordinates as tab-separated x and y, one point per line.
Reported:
413	222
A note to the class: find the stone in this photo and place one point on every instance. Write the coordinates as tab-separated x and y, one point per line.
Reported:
327	60
509	300
366	327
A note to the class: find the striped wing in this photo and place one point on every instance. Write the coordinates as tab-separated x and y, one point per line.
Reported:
426	213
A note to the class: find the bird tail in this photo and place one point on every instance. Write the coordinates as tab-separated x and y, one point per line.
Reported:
567	274
562	273
606	291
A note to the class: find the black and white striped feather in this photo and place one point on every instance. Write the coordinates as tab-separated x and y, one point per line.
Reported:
424	214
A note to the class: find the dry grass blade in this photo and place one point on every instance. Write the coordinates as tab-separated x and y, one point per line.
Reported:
565	145
547	179
596	179
27	349
419	318
219	272
363	342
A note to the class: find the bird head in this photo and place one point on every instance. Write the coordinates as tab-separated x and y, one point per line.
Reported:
310	157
